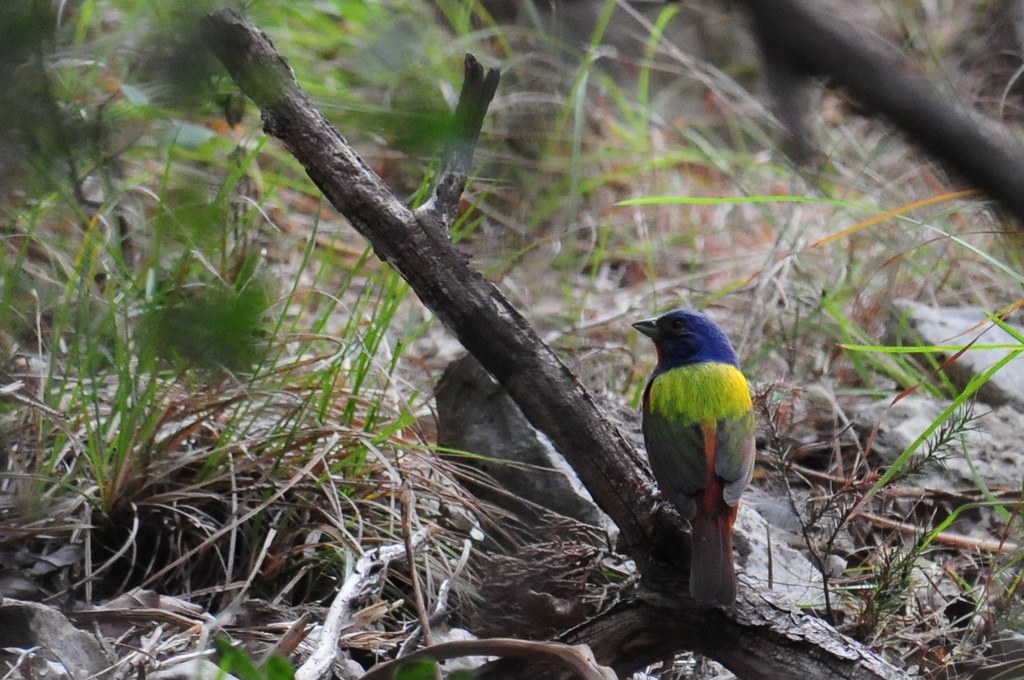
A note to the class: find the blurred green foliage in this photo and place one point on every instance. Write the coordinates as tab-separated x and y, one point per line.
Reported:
237	662
210	327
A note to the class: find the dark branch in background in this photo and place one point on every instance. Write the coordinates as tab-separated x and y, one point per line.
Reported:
800	41
755	638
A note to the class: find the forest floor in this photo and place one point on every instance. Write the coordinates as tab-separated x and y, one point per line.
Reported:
214	399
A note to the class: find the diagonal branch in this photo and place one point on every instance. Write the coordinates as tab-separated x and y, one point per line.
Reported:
417	244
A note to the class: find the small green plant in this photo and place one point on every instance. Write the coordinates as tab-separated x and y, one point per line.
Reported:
237	662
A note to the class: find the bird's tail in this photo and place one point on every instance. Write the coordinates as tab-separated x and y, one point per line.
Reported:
712	574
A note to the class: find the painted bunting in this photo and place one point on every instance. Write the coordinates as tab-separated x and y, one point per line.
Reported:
698	426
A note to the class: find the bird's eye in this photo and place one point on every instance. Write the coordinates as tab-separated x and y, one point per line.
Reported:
677	325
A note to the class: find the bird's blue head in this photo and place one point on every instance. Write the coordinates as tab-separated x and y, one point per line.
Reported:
683	338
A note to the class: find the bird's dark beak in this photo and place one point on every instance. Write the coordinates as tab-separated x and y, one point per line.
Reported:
648	327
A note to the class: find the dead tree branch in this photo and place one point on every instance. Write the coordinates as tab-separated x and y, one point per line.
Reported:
417	244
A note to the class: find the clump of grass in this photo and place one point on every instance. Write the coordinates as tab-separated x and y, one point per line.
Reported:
179	465
202	389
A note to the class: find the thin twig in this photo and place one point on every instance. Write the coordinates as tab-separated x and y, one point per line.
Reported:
410	557
441	609
577	658
950	538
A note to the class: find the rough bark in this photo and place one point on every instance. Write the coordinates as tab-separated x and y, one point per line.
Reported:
761	638
416	243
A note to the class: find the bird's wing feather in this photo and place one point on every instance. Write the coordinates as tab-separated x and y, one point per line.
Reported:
734	455
676	453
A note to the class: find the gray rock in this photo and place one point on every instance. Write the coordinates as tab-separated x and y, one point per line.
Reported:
959	326
57	644
787	569
991	445
476	415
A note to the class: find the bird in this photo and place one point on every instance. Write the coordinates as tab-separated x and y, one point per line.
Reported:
698	429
